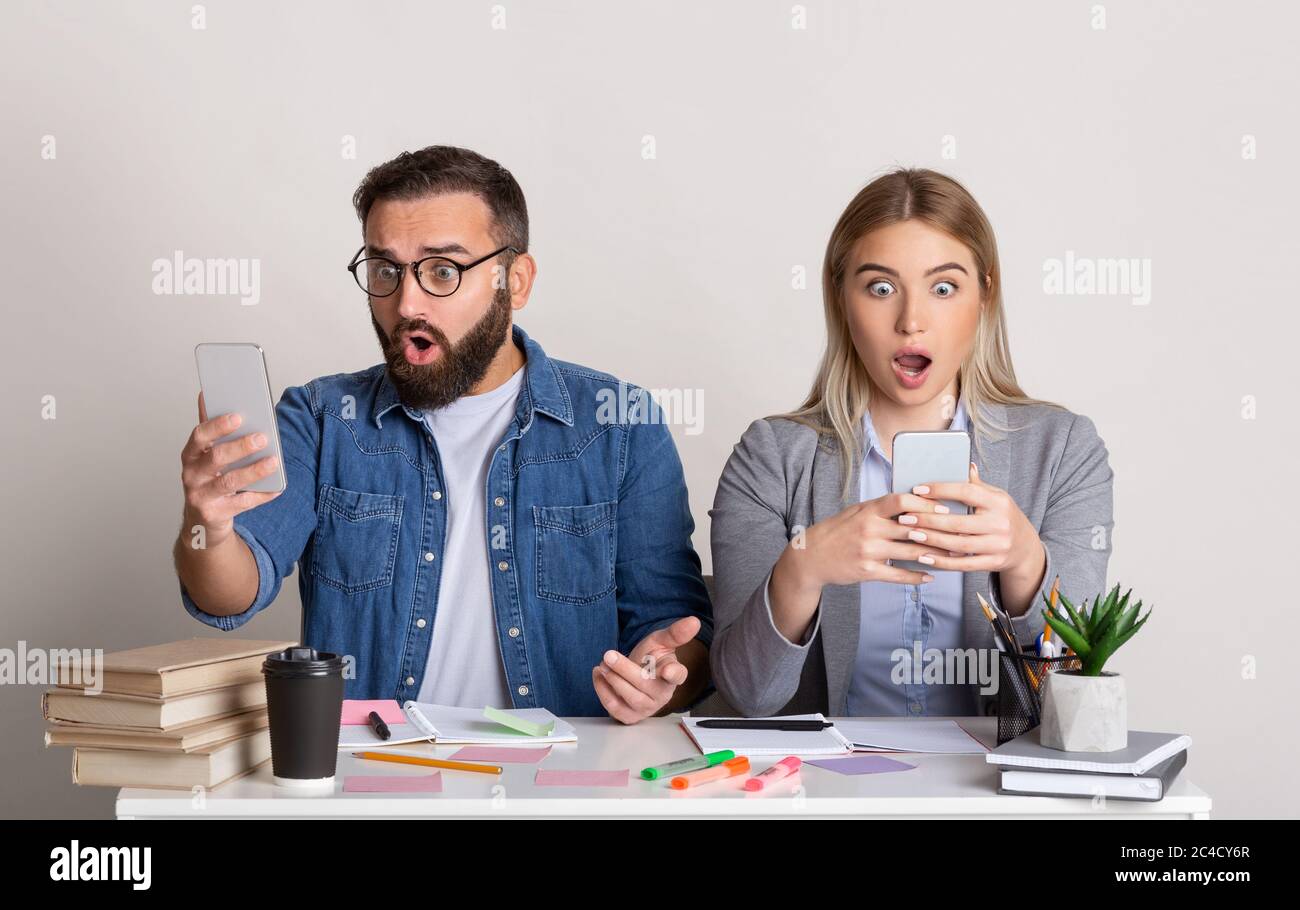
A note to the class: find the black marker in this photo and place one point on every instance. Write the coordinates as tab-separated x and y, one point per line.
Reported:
377	724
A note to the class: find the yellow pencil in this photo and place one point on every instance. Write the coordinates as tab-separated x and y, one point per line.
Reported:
430	762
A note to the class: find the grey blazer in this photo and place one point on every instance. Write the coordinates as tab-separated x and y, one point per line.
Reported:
781	474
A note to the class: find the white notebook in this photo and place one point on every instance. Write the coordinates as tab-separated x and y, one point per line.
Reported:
933	736
768	742
1145	750
444	724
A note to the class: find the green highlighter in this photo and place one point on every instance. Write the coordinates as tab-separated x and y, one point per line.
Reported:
519	724
683	765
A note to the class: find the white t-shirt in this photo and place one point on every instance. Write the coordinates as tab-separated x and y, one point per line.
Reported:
464	666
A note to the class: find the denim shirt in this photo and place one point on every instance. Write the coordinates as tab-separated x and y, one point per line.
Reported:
588	532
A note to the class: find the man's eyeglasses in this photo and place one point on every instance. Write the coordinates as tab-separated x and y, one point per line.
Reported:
380	276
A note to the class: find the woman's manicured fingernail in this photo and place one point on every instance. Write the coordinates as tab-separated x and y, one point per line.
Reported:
921	490
916	535
927	559
941	508
907	519
926	579
611	657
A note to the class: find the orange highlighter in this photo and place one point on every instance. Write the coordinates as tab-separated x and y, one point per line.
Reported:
732	767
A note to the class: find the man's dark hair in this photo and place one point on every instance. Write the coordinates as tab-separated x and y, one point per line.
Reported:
441	169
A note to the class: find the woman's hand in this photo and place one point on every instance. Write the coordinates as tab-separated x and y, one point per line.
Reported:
851	546
995	537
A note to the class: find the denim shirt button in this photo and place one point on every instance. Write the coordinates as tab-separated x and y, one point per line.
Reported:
500	500
514	633
420	623
428	557
503	565
437	494
410	680
523	690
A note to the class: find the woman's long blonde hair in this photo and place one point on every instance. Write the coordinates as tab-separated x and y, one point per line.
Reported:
841	393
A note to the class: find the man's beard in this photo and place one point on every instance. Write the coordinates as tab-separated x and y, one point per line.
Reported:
461	367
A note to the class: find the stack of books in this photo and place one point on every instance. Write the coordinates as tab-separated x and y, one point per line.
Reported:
176	715
1143	771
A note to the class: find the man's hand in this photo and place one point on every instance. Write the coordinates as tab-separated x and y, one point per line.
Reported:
640	685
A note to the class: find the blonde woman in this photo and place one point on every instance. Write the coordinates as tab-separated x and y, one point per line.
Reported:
809	613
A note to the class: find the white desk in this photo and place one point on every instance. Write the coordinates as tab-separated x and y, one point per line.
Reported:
940	786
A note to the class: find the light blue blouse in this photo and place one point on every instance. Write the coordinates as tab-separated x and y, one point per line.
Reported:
897	616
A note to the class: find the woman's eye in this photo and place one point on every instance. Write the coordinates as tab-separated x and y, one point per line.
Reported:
945	289
880	288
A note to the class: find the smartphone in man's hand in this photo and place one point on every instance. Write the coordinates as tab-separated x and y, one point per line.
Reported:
234	381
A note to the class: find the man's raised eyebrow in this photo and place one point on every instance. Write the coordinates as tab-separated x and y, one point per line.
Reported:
428	250
446	248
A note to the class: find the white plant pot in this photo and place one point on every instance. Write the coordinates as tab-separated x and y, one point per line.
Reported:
1084	713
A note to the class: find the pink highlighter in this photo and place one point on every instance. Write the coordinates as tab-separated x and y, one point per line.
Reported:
781	770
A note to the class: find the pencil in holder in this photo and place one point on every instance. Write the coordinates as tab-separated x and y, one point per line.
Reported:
1020	690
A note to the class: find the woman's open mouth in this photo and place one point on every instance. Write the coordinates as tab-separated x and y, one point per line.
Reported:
912	370
420	349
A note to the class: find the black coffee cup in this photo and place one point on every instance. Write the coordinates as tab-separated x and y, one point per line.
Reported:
304	702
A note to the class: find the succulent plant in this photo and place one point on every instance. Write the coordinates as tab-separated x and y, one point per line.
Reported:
1095	634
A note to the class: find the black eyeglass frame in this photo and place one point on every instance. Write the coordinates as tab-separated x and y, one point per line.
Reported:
415	269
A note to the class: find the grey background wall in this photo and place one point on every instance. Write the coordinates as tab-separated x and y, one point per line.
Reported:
1160	132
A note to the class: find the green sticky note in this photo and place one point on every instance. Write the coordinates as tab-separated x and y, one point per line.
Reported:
521	724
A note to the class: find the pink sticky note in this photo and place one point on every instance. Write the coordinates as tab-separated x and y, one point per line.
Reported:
502	754
564	777
356	712
392	783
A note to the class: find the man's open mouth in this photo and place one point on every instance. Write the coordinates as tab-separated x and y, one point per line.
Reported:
418	347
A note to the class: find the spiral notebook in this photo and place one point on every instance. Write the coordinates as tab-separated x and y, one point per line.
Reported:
828	741
430	723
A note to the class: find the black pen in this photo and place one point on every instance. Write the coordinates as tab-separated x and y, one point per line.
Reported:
377	724
787	725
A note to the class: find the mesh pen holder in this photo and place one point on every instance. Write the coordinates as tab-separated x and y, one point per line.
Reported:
1020	690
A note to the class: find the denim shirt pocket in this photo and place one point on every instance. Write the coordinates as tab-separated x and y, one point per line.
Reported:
575	551
356	539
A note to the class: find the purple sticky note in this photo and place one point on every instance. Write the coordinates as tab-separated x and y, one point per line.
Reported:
356	712
860	764
565	777
393	783
504	755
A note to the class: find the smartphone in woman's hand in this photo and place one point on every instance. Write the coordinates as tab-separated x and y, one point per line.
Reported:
930	456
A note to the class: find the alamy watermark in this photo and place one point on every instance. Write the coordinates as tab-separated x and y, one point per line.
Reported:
669	406
182	275
79	667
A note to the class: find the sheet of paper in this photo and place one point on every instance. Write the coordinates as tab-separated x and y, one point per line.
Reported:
357	711
860	764
567	777
504	755
393	783
938	736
